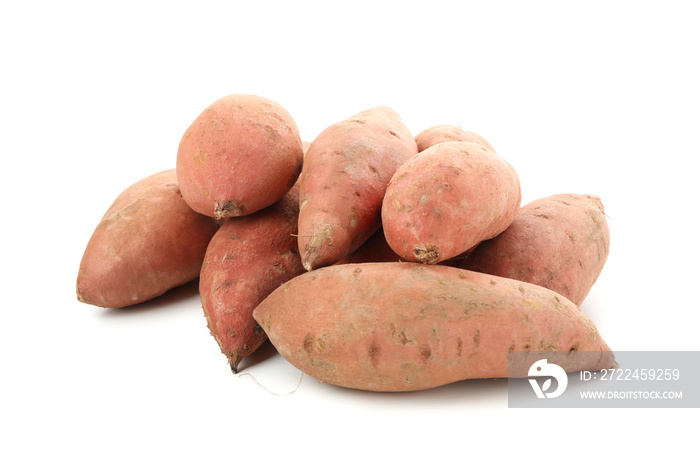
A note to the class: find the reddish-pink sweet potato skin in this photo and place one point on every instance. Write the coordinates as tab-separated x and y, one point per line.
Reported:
447	199
148	242
404	326
241	154
246	260
446	133
349	166
560	242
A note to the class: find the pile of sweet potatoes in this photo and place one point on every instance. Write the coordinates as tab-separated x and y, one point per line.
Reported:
370	258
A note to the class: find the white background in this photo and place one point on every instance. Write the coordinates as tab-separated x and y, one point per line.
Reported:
586	97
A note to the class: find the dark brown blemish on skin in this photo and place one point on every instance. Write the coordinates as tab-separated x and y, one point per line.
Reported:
228	209
574	347
225	284
459	347
477	338
428	253
492	282
374	352
308	343
542	216
403	339
258	330
425	353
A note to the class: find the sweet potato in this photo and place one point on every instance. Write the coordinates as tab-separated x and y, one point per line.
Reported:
446	133
402	326
349	166
447	199
560	242
247	259
241	154
147	242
